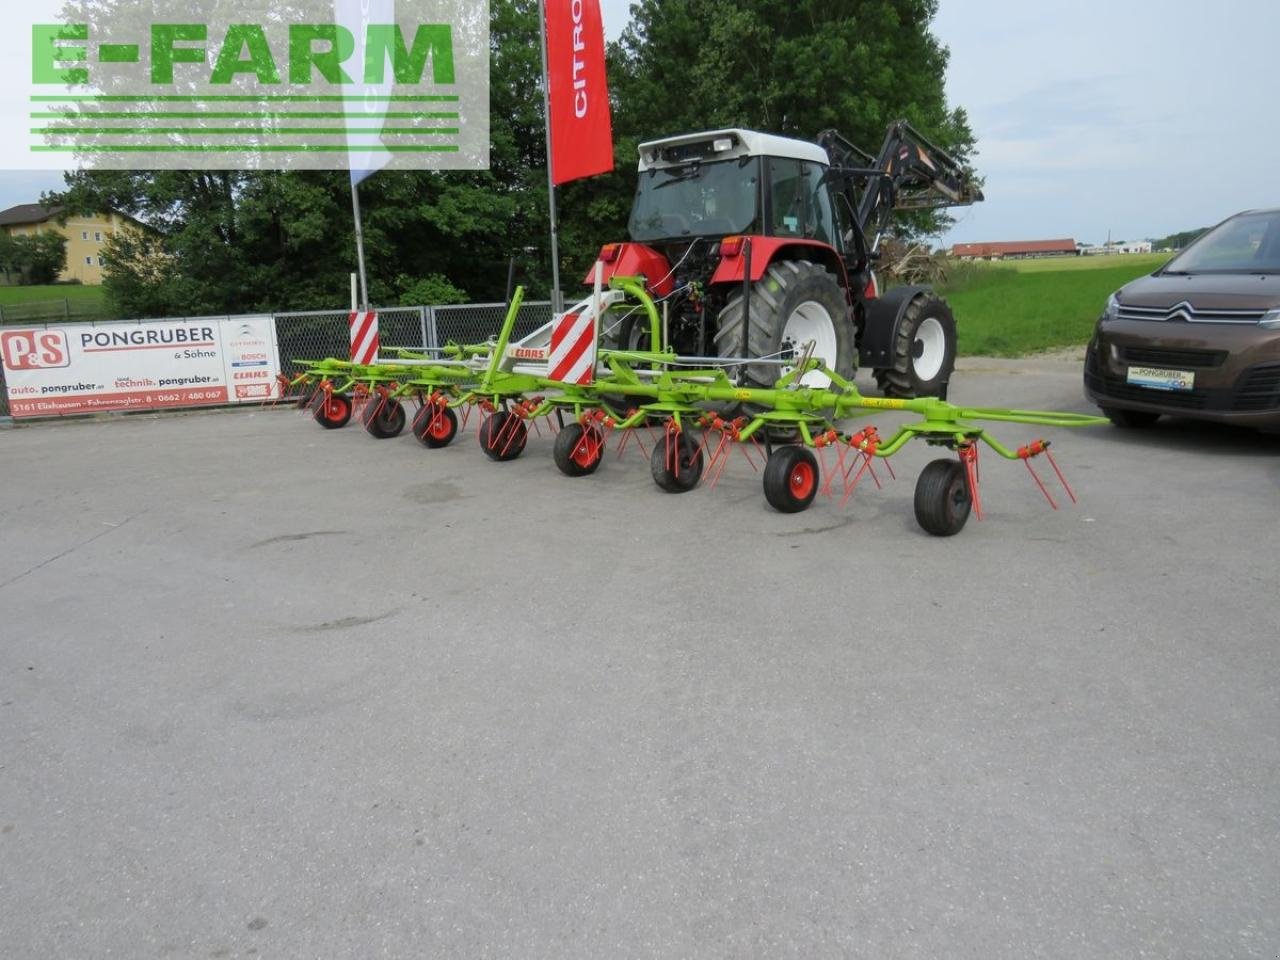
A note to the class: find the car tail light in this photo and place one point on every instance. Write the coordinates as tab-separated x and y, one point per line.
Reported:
731	246
872	289
609	252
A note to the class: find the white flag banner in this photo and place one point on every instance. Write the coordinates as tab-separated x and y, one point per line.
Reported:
356	16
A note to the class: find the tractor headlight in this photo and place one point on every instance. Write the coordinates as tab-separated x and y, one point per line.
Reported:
1271	319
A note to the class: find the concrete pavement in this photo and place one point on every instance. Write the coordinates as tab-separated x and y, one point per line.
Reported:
267	690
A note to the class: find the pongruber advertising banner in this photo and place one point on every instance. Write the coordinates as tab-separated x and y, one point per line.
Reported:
81	368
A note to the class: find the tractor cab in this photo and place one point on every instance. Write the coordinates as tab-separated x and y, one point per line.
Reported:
732	182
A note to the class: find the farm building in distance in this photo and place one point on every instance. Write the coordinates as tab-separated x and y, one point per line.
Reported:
1015	250
1116	246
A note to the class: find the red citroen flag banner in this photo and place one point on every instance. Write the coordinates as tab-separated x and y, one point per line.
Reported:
581	128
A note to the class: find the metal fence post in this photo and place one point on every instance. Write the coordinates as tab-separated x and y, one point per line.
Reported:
422	325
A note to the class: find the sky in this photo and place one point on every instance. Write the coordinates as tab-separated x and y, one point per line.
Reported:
1128	118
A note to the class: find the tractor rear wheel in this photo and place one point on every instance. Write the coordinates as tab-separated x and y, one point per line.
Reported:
791	479
503	436
943	499
924	351
796	302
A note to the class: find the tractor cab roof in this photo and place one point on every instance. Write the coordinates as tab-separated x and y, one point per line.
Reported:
712	145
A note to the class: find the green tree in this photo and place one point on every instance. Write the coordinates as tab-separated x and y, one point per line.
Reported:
247	241
794	67
40	257
8	257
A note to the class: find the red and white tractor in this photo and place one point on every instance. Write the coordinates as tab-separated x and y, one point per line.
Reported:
762	247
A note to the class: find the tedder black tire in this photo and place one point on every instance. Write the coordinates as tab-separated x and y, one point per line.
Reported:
924	351
385	420
1130	419
575	458
791	479
332	412
435	429
682	476
799	293
501	442
942	499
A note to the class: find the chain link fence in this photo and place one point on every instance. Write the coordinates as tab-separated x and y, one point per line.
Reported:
478	322
317	334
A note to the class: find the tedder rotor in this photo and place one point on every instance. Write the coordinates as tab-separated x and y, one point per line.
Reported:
785	413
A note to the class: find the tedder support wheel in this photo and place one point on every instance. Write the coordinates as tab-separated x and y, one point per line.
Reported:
681	472
791	479
942	498
924	351
503	436
435	427
796	302
332	411
579	450
1130	419
384	420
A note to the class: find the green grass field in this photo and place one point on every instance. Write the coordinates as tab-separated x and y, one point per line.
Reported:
21	304
1010	310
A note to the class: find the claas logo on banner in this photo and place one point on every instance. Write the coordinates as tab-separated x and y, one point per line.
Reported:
34	350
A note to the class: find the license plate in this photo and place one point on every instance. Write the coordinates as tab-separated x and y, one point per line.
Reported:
1158	379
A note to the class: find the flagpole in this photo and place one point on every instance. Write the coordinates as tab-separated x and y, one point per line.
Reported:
556	305
355	209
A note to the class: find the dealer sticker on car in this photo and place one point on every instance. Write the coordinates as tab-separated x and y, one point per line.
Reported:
1158	379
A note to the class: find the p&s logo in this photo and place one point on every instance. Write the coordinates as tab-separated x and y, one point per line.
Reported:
34	350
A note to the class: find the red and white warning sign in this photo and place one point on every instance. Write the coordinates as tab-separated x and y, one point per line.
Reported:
573	349
364	336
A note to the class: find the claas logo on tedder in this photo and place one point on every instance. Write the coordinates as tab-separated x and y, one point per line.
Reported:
61	53
34	350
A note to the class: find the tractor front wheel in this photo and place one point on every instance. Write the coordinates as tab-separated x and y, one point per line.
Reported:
943	500
791	479
924	351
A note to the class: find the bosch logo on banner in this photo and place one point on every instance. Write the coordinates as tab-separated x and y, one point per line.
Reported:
34	350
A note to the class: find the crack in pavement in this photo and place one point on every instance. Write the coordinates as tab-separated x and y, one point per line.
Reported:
72	549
